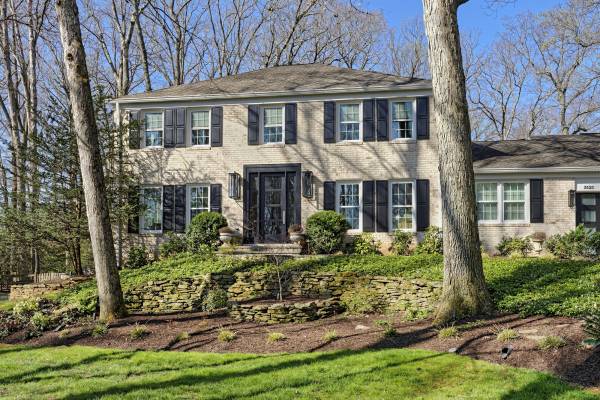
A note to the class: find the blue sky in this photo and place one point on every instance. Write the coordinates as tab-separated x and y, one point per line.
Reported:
475	15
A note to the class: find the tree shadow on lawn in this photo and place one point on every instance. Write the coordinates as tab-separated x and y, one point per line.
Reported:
546	386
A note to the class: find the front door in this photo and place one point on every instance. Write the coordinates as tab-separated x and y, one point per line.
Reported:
272	207
588	210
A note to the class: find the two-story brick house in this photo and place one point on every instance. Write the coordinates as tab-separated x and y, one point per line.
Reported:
268	148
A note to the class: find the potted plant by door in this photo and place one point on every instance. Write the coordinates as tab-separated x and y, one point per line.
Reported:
296	233
229	236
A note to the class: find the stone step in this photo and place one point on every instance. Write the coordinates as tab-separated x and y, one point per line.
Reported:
288	249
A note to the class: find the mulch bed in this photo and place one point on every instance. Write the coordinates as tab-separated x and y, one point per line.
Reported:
572	362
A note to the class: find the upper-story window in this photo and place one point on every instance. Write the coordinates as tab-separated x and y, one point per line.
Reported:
272	124
349	122
501	201
402	120
348	203
151	217
153	133
200	128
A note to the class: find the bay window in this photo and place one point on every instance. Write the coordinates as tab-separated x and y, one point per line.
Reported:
502	201
153	129
151	217
200	128
349	121
348	203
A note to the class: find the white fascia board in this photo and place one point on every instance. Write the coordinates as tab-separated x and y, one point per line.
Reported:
484	171
290	95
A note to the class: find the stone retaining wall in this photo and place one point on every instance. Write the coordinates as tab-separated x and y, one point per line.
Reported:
286	312
34	290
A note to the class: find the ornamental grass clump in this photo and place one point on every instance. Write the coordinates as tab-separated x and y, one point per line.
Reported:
225	335
507	335
139	332
275	337
330	336
449	332
551	343
99	330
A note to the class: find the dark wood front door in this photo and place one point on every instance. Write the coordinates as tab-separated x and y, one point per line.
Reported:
272	207
588	210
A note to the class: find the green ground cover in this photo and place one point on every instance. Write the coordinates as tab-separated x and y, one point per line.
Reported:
84	372
521	285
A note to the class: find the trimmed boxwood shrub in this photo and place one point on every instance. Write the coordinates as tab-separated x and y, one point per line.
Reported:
325	232
203	231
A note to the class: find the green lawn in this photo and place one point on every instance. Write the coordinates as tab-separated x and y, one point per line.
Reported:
85	373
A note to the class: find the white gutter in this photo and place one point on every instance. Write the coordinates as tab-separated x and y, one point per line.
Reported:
485	170
195	97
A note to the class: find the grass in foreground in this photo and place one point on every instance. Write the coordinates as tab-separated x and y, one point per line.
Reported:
85	372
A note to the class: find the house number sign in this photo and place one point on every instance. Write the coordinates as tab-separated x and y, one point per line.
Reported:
588	187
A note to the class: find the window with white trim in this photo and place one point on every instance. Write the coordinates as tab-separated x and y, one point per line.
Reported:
199	199
200	128
349	122
272	124
402	120
401	205
502	201
348	203
153	129
151	217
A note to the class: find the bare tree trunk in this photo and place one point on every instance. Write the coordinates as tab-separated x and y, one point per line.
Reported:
142	45
107	275
464	292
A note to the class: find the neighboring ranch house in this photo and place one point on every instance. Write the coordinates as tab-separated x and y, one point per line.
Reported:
270	147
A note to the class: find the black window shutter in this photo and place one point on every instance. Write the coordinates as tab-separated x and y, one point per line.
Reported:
134	129
215	197
382	206
422	204
180	193
216	126
253	122
368	188
368	120
329	195
329	122
536	201
422	117
169	122
180	127
133	198
168	207
291	124
382	120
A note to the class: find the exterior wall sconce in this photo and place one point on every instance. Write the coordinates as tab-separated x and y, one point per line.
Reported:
571	198
234	185
307	184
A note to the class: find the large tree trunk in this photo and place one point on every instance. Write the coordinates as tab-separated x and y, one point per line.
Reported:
107	276
464	292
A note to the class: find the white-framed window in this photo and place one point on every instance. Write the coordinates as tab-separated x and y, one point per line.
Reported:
348	202
200	130
151	217
198	199
349	122
402	117
402	210
153	129
502	201
272	123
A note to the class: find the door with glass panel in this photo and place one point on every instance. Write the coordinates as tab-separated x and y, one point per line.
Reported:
588	210
273	207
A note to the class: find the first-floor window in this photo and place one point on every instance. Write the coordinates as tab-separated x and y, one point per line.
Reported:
200	128
151	218
199	200
153	133
402	205
501	201
349	203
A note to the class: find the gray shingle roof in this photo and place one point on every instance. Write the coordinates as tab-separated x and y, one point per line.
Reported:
305	78
573	151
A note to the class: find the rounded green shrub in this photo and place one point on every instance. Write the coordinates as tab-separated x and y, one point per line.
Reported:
432	242
40	321
365	244
514	245
137	257
175	244
215	299
325	232
362	300
203	231
578	242
401	242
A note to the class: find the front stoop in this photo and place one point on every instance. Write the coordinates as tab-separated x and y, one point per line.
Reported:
265	249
